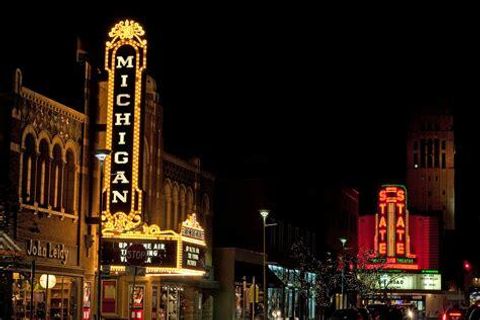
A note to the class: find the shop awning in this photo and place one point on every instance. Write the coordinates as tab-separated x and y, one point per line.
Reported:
8	247
10	252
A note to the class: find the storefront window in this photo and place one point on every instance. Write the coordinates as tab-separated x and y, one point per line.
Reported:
170	303
244	298
54	297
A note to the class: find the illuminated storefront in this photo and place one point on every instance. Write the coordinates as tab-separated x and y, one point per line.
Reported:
149	197
406	251
44	161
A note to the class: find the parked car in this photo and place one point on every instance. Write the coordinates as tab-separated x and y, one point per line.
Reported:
455	313
472	313
378	311
365	313
346	314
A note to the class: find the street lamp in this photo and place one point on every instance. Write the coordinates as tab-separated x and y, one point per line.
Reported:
101	155
264	213
343	241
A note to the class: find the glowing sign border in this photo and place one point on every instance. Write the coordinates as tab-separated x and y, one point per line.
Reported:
390	240
125	226
126	32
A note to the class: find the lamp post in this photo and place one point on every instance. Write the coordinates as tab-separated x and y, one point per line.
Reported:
101	155
343	241
264	213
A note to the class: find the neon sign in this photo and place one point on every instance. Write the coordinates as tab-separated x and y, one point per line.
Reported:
125	61
167	252
392	239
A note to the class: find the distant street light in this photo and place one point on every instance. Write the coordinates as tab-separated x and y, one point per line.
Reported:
343	241
264	213
101	155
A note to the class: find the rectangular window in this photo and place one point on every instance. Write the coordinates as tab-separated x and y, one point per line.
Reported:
444	161
436	154
422	153
444	144
109	296
430	154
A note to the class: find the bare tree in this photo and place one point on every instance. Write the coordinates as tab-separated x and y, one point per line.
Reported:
369	276
364	274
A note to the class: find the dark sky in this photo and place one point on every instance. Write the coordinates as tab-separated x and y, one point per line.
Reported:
303	96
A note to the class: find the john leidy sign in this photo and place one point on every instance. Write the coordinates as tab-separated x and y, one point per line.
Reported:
47	250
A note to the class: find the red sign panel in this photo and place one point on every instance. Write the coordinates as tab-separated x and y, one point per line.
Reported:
392	239
109	296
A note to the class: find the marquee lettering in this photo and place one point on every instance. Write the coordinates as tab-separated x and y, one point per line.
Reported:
122	117
122	62
392	237
120	175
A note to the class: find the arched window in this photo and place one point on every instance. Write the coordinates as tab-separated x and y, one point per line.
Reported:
182	203
206	205
189	201
147	175
56	179
168	205
175	198
29	163
43	174
69	183
204	210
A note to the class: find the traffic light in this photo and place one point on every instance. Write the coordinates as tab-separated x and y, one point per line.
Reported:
467	265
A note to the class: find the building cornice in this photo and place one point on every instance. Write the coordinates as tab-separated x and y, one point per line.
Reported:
186	165
56	106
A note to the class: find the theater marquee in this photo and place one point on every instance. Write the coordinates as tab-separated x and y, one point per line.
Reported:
408	281
168	252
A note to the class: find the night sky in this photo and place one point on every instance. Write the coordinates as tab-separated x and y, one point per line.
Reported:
300	97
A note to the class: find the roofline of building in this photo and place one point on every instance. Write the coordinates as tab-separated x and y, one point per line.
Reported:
185	164
59	107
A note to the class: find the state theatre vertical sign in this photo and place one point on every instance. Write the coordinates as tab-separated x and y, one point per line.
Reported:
125	62
392	239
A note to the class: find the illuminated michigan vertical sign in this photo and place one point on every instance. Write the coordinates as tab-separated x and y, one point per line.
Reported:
168	252
125	62
392	239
